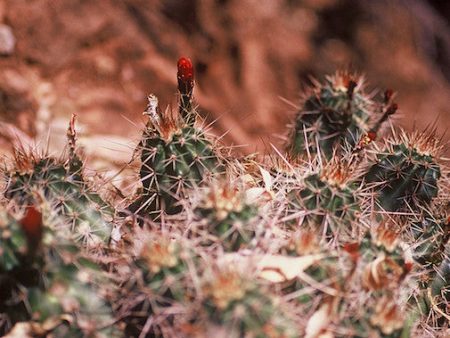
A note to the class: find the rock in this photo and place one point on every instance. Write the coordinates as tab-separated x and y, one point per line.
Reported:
7	40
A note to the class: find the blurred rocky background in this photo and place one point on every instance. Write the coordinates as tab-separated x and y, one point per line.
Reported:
100	59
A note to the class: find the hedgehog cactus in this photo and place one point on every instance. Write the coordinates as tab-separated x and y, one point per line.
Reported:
406	173
430	236
336	115
440	291
322	275
175	154
381	266
226	215
384	261
329	198
61	183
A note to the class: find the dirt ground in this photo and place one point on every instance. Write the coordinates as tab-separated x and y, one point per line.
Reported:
100	59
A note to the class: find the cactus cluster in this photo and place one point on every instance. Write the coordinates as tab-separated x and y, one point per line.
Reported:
344	235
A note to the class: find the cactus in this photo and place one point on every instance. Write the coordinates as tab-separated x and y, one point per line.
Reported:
336	115
384	261
276	246
158	281
430	237
175	154
239	307
406	173
63	184
322	275
46	284
380	271
329	197
439	295
225	214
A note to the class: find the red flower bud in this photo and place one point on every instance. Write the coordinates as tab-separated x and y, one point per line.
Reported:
372	135
32	227
185	76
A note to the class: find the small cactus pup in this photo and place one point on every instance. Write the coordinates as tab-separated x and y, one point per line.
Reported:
225	216
406	172
336	114
328	198
156	285
241	307
62	183
47	286
175	154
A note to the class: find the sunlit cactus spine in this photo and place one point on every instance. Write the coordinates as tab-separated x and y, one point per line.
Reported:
225	215
176	155
62	183
335	115
407	172
48	287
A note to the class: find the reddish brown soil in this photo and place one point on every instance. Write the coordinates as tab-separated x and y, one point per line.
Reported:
100	59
